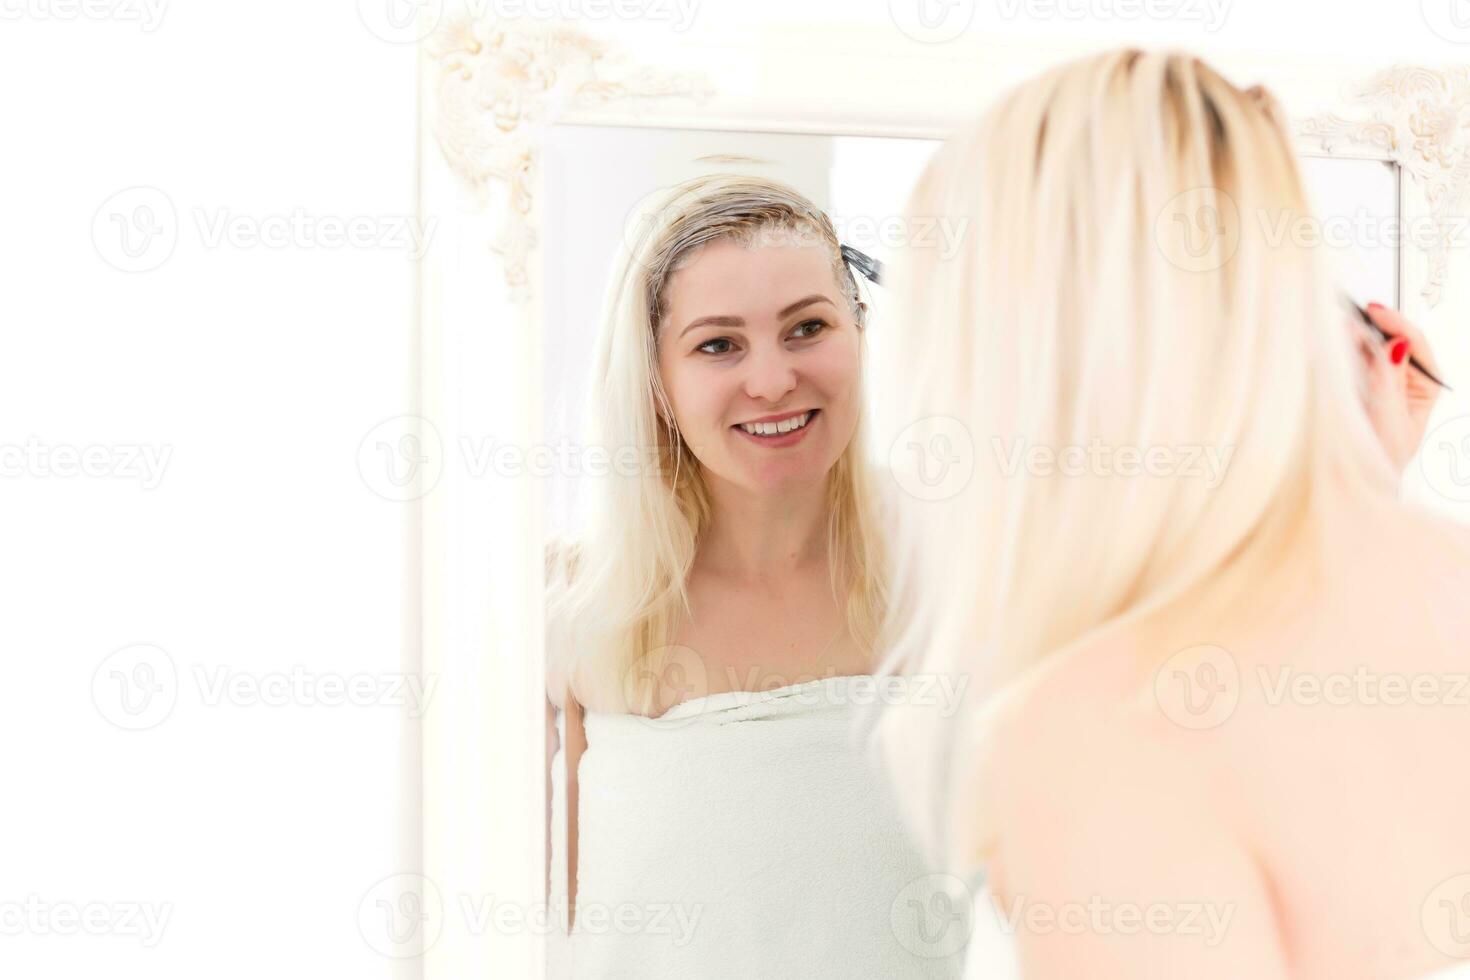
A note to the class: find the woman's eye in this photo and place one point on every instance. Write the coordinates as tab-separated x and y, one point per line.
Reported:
705	347
817	325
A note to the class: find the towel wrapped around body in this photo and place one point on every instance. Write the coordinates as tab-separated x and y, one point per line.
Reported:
749	834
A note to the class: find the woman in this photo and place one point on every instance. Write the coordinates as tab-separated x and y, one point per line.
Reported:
1191	760
716	618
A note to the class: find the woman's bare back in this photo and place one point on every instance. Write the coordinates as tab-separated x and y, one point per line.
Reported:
1293	773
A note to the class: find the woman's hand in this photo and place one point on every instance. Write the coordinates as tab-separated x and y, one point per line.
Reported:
1400	397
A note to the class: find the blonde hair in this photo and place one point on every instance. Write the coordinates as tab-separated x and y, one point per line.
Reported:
615	597
1077	314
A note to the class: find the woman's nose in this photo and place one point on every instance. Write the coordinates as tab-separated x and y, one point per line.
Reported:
770	374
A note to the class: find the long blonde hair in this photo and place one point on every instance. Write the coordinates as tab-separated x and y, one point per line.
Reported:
615	596
1119	287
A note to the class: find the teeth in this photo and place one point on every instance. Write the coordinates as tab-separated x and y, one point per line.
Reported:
776	428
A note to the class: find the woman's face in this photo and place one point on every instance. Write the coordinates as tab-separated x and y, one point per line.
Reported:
761	335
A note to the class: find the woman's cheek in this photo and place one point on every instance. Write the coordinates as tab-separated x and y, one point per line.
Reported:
841	375
699	413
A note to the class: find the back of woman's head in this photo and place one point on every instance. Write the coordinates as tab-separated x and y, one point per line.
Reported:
1156	382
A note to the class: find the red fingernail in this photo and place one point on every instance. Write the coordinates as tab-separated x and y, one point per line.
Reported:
1375	306
1398	351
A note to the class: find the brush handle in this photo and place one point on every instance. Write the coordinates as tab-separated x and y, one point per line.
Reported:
1388	336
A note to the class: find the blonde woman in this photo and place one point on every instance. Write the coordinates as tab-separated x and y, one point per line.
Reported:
714	624
1220	737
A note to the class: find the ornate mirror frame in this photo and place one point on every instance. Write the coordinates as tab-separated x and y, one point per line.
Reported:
488	90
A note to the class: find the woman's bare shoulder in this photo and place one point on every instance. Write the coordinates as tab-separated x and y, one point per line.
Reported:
1077	762
1417	568
1063	731
1446	539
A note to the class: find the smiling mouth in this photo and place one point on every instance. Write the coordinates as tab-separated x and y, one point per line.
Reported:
775	430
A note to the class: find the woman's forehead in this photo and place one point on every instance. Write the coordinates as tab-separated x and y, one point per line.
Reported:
730	274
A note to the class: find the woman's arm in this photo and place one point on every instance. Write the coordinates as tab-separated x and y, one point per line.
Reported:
560	570
576	742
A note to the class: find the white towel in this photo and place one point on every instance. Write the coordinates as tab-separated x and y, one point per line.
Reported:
749	835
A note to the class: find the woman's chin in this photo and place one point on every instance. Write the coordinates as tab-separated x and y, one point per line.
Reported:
779	476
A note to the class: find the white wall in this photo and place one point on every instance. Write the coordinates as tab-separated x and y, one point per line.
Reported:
252	830
1433	32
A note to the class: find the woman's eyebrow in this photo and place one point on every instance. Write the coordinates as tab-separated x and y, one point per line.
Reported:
813	298
735	321
713	321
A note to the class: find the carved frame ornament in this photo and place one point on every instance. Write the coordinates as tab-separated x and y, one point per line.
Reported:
1420	120
498	84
